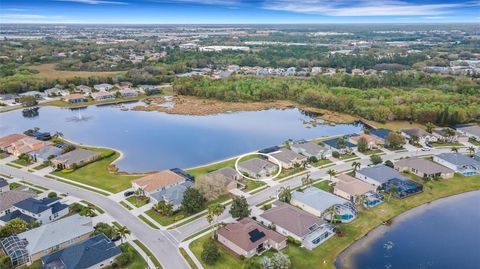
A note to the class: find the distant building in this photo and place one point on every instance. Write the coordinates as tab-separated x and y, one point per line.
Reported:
102	96
423	136
380	134
443	135
340	144
44	211
423	168
25	145
75	98
372	142
128	92
103	87
46	153
287	158
83	89
472	131
75	158
8	140
351	188
459	163
229	176
257	168
150	89
310	149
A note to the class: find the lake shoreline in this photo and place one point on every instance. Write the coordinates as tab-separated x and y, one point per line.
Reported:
345	258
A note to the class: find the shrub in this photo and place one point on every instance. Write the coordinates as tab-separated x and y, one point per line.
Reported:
52	194
107	154
210	252
267	206
293	241
336	154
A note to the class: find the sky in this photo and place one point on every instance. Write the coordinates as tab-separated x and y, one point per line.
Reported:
238	11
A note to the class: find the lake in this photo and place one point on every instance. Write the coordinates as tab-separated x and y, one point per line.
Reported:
153	141
444	234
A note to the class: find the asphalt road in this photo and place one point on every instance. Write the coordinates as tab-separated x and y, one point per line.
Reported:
159	242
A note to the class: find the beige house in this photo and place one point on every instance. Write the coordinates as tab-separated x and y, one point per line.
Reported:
230	177
25	145
248	238
8	140
371	140
158	181
75	158
423	168
351	188
287	158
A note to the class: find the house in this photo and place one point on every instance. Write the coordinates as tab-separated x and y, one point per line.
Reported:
75	158
459	163
95	252
10	197
310	149
257	168
25	145
477	156
159	181
149	89
287	158
53	92
422	135
44	210
103	87
35	94
46	153
352	188
248	238
102	96
380	134
423	168
32	245
44	136
75	98
128	92
8	140
472	131
372	141
389	179
172	195
339	144
448	135
83	89
318	202
230	177
302	226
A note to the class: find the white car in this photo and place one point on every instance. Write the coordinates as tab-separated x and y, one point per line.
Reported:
426	149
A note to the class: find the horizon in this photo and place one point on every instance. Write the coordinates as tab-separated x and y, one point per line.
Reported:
143	12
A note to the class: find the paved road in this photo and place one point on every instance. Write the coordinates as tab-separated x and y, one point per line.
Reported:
197	225
159	242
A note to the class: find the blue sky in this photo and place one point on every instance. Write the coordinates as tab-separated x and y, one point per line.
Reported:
237	11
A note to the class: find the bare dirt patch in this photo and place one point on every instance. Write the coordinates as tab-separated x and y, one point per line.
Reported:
49	71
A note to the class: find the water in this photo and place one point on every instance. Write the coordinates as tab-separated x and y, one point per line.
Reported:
442	235
153	141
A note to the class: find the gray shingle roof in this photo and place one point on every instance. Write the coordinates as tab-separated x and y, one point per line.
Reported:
287	156
82	255
9	198
46	152
380	173
172	195
256	165
416	132
422	165
458	159
318	199
3	183
77	156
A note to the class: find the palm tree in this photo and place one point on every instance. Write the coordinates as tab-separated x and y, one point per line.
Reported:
393	189
214	210
429	127
471	150
415	139
122	232
332	211
284	194
455	149
306	180
331	173
450	133
356	166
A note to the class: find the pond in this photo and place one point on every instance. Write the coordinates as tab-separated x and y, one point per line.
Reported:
152	141
444	234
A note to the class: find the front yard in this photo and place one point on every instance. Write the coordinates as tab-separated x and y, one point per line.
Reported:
324	255
138	201
97	175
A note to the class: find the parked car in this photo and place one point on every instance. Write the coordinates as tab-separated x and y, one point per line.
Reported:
128	193
426	149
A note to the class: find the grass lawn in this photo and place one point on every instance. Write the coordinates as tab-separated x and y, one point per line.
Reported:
252	184
197	172
137	261
323	185
149	254
127	206
61	103
41	166
347	156
138	201
475	142
322	162
373	151
22	162
188	258
441	144
289	172
148	222
96	174
324	255
395	125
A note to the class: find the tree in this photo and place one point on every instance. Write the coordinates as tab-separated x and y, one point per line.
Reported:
389	163
27	100
193	201
414	140
395	140
284	195
331	173
356	165
6	263
211	186
281	261
362	144
392	189
210	253
376	159
214	210
312	159
454	149
163	208
122	232
239	208
252	264
429	126
104	228
15	226
306	180
52	194
471	150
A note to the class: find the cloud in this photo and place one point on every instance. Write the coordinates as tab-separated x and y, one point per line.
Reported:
15	9
22	16
30	18
95	2
362	7
203	2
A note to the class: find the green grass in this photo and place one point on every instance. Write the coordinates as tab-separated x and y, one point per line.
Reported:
41	166
322	162
33	185
78	185
289	172
149	254
197	172
138	201
323	185
252	184
441	144
127	206
14	165
188	258
98	209
61	103
148	222
347	156
96	174
226	260
373	151
22	162
137	261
